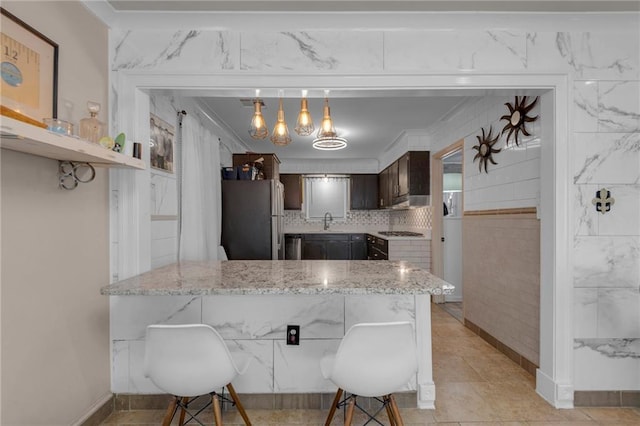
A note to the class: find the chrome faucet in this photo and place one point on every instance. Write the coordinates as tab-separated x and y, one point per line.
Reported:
326	223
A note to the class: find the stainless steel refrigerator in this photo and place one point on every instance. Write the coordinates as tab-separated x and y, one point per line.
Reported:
252	219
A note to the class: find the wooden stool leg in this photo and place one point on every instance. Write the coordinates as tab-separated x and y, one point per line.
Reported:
334	406
185	401
239	406
387	406
217	414
396	411
350	408
170	412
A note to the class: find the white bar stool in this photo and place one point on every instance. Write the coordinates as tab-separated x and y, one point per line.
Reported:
373	360
192	360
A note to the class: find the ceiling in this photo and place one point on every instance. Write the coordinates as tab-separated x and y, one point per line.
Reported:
370	124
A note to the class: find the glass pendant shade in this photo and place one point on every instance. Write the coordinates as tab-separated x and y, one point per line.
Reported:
328	139
304	125
258	128
326	129
280	135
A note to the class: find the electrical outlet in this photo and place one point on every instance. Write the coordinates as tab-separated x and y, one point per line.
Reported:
293	335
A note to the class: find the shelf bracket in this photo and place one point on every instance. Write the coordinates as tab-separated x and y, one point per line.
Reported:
71	173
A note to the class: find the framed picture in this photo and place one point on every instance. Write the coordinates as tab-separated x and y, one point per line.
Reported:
29	71
161	151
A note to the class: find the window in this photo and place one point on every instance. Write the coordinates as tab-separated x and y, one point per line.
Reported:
326	194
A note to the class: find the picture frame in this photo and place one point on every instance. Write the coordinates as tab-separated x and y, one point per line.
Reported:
29	71
161	152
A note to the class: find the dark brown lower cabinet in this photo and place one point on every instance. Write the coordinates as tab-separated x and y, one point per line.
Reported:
334	246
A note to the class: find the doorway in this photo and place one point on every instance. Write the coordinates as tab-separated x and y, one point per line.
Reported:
554	375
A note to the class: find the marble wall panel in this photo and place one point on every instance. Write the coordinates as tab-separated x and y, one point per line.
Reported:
618	106
616	362
624	217
585	215
606	262
619	313
585	55
259	375
359	309
120	366
131	314
138	383
267	317
160	50
606	158
585	106
311	51
455	50
585	312
297	368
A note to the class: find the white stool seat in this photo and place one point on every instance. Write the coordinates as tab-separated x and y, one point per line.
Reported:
373	360
189	361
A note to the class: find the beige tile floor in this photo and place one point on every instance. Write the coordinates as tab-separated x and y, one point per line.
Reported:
476	386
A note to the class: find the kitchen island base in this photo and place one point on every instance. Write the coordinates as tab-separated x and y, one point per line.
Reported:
251	304
257	324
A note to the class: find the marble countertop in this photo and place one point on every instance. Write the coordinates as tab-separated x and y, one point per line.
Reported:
254	277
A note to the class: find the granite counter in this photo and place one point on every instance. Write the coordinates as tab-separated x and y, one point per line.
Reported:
251	303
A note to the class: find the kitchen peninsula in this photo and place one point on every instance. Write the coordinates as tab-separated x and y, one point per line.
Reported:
251	303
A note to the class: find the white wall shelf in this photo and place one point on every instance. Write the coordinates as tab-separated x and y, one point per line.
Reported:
23	137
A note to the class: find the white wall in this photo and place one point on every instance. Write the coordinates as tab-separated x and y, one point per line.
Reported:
597	55
55	248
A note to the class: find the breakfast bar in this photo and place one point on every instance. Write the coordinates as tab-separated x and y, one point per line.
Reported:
251	303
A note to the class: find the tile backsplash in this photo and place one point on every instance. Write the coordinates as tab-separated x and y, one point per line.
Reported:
366	219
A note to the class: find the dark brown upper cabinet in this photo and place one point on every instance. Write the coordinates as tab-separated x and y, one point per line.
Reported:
364	192
292	191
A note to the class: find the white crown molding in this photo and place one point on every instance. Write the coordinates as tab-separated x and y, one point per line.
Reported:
252	20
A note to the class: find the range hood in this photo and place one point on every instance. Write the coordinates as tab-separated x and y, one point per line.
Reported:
411	202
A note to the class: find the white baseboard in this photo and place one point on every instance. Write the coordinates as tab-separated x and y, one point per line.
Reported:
556	394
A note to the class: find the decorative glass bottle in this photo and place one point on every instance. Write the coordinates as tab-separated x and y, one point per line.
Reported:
92	129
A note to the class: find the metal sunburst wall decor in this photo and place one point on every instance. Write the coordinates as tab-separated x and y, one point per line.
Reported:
518	118
485	149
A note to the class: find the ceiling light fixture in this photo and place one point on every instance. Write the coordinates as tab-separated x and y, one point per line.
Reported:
304	125
280	135
258	129
327	138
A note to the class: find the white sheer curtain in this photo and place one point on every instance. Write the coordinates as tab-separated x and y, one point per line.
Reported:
200	191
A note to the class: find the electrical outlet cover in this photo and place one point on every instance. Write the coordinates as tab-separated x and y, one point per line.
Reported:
293	335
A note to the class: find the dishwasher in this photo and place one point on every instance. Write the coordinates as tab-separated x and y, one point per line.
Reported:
293	247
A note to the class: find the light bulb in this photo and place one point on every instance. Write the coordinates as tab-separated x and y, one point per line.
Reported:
280	135
258	128
304	125
326	128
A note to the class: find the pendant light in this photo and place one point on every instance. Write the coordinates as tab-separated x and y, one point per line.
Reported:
304	125
280	135
327	138
258	129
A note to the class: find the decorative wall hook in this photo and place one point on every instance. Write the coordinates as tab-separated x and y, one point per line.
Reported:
70	174
603	200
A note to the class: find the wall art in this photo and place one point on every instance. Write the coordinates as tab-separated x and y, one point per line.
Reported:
29	72
518	118
161	144
485	149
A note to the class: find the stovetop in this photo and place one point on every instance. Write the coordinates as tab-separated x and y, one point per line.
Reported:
401	234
